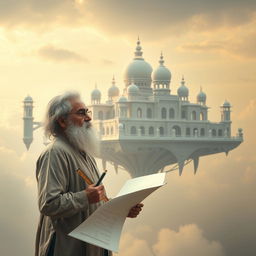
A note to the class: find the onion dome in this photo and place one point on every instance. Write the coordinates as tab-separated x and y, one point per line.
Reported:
96	94
162	74
183	91
226	104
122	99
201	97
28	99
138	70
133	89
113	91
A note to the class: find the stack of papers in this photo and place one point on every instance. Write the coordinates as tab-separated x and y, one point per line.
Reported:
103	228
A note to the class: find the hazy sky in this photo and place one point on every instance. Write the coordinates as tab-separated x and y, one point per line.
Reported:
49	46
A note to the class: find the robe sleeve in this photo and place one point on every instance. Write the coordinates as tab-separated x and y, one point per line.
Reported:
54	199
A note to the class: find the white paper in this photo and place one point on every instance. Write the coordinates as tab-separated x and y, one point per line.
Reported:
103	228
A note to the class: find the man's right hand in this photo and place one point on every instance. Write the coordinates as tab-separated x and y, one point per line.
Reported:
95	194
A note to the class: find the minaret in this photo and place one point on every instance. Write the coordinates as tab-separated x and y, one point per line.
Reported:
225	112
95	96
161	78
113	91
183	91
28	121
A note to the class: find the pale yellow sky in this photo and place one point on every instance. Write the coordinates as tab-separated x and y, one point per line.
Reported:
47	47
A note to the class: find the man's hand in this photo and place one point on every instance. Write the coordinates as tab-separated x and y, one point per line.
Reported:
135	210
95	194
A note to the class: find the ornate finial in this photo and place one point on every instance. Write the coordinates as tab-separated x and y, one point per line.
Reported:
182	80
113	81
138	52
161	61
201	88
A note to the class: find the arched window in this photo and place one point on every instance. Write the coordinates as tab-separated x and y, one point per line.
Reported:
193	115
151	130
228	131
177	130
220	134
103	131
187	131
100	115
112	130
202	132
202	116
149	113
214	133
139	113
108	115
107	131
133	130
184	114
195	132
161	131
142	130
163	113
171	113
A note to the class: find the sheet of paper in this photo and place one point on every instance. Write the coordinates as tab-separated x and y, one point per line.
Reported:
103	228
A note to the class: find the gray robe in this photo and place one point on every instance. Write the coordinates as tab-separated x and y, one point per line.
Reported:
62	201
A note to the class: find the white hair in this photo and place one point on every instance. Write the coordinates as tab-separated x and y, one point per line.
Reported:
59	106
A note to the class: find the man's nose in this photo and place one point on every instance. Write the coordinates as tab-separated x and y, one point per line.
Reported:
87	118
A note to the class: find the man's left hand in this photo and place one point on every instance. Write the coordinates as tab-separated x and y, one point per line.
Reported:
135	210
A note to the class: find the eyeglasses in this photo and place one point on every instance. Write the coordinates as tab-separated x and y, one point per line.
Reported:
82	112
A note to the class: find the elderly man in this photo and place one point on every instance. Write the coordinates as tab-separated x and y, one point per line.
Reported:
64	198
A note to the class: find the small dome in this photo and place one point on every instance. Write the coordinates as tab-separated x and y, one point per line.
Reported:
133	89
201	97
162	73
96	94
183	90
122	99
226	104
113	91
28	99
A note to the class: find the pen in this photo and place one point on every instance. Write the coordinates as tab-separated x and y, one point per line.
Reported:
89	182
101	178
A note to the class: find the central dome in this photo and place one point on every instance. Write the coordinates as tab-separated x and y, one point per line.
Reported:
138	71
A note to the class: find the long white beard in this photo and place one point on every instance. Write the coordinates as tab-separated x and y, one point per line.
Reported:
83	138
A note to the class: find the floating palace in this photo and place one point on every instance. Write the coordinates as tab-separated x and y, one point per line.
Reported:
148	127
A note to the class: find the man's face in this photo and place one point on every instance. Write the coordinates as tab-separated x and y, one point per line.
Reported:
79	130
79	113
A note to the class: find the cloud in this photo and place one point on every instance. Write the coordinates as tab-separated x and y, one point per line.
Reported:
237	44
189	240
37	14
19	214
126	17
133	246
203	46
53	53
249	110
107	62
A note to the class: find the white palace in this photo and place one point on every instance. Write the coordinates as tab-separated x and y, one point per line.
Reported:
148	108
147	127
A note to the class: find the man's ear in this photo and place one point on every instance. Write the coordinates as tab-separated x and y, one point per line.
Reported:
62	122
